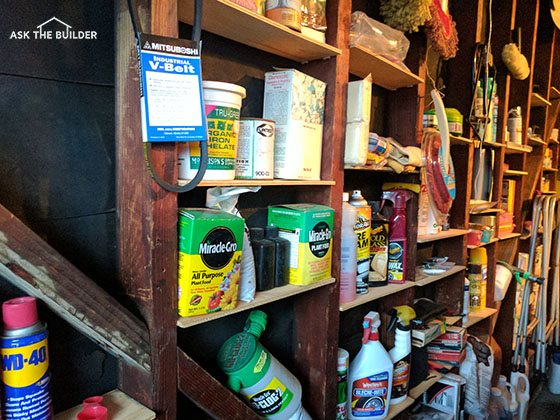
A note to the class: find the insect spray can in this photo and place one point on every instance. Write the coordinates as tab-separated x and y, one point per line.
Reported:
25	362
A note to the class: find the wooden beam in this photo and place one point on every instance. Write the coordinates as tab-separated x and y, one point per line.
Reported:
147	215
32	265
208	393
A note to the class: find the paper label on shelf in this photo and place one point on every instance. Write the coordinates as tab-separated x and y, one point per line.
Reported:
171	90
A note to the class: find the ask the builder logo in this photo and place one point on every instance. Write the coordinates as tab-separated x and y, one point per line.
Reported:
53	28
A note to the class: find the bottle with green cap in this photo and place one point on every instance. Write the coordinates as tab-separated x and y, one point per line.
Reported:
269	388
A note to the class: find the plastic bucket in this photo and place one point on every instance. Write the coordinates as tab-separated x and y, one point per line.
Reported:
222	102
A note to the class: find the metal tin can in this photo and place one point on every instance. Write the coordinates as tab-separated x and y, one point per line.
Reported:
255	149
25	369
286	12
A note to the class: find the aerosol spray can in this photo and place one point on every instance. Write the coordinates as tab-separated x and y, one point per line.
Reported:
25	362
362	229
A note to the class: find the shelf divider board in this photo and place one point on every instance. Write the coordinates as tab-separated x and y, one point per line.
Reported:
119	407
538	100
203	389
425	279
147	272
426	384
232	21
261	298
384	72
316	350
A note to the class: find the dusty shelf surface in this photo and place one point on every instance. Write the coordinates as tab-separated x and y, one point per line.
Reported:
383	72
476	317
232	21
538	100
459	140
425	279
375	293
513	172
119	407
444	234
261	298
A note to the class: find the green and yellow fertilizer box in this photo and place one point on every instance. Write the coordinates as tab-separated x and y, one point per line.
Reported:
210	246
309	228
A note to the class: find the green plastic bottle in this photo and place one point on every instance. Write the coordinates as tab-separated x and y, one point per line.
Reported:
269	388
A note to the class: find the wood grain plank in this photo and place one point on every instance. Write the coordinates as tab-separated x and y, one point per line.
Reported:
208	393
147	216
29	263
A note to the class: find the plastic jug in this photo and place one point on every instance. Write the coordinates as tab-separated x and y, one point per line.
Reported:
267	386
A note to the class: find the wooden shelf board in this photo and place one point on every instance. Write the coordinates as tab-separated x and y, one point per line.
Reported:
513	148
441	235
553	141
119	405
229	20
258	183
384	72
375	293
424	279
476	317
493	144
554	93
261	298
426	384
512	172
459	140
538	100
548	192
536	141
550	170
509	236
385	169
395	410
491	241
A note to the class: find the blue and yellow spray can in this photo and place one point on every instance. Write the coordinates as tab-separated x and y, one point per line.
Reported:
25	362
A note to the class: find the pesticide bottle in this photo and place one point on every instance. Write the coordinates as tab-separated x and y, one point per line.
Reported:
401	316
378	247
396	267
25	358
267	386
362	229
348	252
478	277
342	385
370	376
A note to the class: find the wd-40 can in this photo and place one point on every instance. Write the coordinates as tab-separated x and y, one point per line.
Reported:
25	362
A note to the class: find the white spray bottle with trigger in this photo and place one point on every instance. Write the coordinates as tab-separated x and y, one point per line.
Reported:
401	316
370	375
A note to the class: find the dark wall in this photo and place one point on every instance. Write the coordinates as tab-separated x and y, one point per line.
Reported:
57	162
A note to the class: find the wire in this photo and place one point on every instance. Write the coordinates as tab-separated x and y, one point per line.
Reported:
196	36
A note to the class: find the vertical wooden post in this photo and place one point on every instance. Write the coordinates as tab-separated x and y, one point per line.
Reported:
147	216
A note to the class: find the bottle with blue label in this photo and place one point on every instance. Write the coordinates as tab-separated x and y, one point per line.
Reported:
25	362
370	377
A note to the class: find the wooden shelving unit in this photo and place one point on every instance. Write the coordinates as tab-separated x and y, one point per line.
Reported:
384	72
513	148
444	234
514	172
375	293
261	298
423	279
537	141
232	21
538	101
384	169
476	317
260	183
458	140
119	407
491	241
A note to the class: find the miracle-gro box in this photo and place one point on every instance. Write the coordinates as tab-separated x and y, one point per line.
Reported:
309	228
210	247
